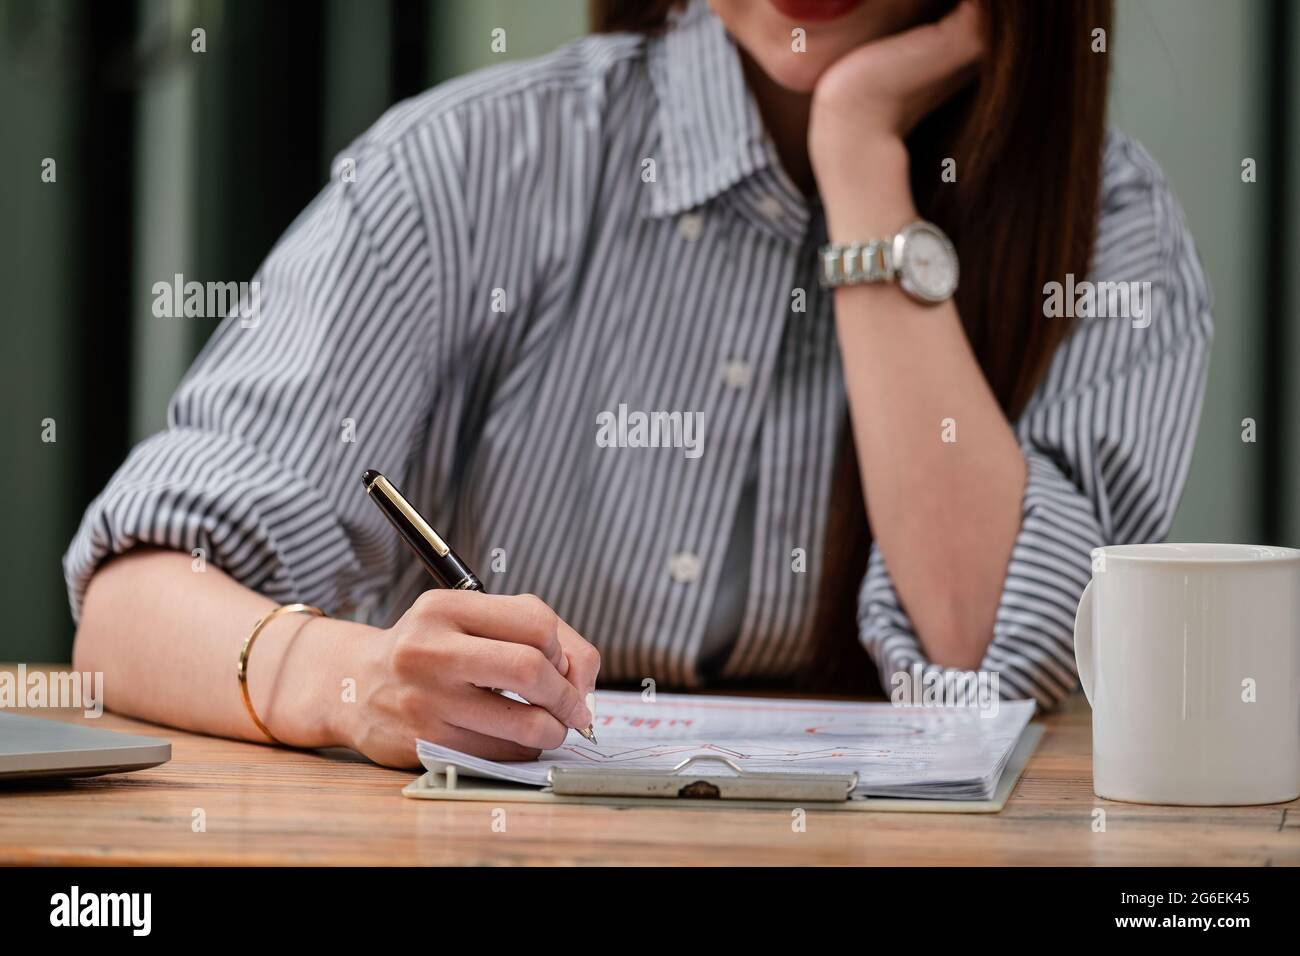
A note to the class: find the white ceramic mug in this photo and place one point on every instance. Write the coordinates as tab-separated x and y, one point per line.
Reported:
1190	657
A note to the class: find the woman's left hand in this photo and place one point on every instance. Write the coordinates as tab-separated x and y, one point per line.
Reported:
867	102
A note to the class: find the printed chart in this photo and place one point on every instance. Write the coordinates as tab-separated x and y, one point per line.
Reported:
895	751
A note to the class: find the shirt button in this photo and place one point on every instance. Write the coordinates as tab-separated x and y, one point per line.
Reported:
684	567
690	225
770	206
737	374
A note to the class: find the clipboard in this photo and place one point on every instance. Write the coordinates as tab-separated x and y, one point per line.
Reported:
691	786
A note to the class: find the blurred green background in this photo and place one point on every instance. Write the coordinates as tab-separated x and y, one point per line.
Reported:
171	161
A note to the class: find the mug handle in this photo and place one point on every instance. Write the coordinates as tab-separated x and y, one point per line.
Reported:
1083	640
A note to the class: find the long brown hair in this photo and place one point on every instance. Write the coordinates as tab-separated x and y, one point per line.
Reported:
1027	141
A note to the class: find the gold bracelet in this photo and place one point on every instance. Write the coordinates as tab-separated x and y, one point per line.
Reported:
248	647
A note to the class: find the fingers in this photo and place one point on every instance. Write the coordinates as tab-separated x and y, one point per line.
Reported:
584	661
495	717
515	643
524	670
956	40
961	36
438	692
485	745
519	619
934	53
932	62
963	30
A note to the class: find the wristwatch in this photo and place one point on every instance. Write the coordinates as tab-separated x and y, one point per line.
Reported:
920	258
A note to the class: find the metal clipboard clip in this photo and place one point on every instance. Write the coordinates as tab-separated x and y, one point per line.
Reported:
681	783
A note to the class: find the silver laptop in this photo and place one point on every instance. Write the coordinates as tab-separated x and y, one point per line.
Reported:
37	747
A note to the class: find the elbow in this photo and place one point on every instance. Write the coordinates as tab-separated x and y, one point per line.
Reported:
104	608
88	641
954	636
82	656
957	655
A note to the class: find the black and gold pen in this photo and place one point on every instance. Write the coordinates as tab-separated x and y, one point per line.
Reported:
442	563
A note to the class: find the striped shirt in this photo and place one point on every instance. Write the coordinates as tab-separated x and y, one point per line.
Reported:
508	273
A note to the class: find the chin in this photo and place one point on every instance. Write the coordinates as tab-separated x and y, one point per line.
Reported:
796	72
833	28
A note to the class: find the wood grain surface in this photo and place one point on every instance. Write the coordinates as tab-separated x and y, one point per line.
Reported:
263	805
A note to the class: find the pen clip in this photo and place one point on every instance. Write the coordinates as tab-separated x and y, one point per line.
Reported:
439	546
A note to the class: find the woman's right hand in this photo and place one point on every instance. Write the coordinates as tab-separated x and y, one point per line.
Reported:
428	676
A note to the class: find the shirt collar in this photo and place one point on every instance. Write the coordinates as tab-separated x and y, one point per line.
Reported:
711	133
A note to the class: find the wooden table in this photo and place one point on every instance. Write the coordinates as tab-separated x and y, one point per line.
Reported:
262	805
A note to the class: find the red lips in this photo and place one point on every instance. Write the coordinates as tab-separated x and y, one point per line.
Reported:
809	10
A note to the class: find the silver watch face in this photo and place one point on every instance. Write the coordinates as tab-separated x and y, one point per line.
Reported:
926	262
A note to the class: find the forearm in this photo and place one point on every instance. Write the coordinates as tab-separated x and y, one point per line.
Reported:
943	475
167	639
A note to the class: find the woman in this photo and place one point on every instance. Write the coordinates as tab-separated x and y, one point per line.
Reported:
511	274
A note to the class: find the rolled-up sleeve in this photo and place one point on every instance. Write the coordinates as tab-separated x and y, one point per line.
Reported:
324	370
1107	439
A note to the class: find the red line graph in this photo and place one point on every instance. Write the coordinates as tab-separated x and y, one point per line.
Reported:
752	752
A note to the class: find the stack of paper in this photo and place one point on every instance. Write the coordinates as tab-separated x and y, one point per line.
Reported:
949	753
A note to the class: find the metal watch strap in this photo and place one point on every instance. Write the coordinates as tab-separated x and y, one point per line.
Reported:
853	263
